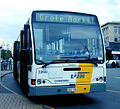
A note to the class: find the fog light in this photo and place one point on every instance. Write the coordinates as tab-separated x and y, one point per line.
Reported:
43	81
97	79
101	79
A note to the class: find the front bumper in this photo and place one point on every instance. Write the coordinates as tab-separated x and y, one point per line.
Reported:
61	90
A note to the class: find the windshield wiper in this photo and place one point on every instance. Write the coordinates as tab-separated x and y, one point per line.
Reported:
54	61
75	57
87	58
92	60
42	62
62	61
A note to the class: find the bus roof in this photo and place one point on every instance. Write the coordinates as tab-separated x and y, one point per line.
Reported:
59	11
64	17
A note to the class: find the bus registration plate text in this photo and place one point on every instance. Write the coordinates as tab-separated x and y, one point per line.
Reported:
72	89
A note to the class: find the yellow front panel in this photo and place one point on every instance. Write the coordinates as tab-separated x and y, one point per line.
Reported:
84	80
83	88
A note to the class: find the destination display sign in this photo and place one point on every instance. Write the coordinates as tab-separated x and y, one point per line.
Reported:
65	18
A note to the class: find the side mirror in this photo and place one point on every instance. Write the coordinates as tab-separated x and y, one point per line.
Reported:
108	54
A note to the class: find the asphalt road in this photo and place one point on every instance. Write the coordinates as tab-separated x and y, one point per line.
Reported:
103	100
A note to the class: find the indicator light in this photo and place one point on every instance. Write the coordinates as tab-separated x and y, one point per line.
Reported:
33	81
105	79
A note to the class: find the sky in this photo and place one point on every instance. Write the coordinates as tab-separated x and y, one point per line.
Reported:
15	13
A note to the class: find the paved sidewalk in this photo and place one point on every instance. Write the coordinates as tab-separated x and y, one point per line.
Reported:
12	100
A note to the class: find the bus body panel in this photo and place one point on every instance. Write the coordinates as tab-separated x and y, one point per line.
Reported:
54	80
64	89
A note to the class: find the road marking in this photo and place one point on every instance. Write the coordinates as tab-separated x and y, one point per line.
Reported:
113	91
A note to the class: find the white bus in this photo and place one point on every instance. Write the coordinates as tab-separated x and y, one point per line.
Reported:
60	52
114	59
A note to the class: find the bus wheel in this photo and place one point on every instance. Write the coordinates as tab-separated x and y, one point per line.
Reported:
116	64
113	65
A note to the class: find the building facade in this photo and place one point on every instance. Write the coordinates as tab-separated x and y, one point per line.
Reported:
111	32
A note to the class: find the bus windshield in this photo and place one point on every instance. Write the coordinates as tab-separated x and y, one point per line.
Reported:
56	39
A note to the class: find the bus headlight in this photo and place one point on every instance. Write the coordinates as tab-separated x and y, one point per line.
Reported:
43	81
100	79
39	81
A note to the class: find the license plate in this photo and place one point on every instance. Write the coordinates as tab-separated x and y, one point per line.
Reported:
72	89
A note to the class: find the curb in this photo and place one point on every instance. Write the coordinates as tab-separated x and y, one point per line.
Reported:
14	100
3	74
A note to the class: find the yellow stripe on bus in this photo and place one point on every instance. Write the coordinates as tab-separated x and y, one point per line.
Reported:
83	81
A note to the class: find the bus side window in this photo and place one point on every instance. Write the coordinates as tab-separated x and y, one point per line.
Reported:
28	45
17	50
16	58
22	41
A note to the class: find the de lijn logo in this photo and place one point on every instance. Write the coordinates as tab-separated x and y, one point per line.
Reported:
79	75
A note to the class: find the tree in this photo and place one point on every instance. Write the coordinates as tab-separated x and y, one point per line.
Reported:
6	54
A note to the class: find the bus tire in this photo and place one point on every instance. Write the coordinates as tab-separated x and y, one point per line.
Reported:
113	65
116	64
